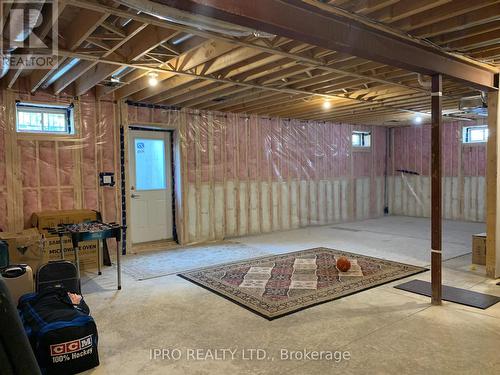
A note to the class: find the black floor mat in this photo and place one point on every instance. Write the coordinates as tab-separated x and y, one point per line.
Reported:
451	294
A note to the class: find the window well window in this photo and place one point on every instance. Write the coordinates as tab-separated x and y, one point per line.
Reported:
475	134
361	139
44	119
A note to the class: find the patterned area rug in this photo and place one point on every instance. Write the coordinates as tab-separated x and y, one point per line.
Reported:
278	285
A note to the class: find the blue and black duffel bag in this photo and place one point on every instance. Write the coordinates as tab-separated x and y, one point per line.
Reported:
63	335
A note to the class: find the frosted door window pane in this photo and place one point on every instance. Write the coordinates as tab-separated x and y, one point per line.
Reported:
150	164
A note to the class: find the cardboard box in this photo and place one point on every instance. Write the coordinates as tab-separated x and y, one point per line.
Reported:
25	247
479	248
50	219
87	252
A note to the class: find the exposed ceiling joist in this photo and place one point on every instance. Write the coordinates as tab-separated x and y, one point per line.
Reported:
214	79
137	43
302	22
273	47
461	22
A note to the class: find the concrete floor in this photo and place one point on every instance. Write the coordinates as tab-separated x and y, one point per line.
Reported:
384	330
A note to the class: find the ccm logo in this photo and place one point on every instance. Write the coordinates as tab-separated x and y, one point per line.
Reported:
71	346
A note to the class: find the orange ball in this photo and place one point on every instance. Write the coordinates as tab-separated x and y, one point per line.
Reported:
343	264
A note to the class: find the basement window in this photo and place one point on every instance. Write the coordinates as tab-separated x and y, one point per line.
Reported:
44	119
475	134
361	139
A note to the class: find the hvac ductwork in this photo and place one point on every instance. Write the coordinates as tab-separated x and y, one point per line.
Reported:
5	64
22	19
166	13
477	105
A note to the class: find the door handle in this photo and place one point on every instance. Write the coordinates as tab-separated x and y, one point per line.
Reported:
134	195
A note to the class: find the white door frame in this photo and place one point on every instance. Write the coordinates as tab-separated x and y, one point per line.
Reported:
170	169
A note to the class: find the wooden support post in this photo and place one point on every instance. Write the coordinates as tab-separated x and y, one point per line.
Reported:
493	188
436	164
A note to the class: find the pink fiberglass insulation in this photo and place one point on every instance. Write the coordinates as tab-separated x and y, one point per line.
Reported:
362	160
144	115
380	139
29	171
253	147
230	146
91	200
109	205
3	181
412	151
242	139
3	208
67	199
106	150
190	154
474	161
164	116
47	167
66	163
48	163
88	129
218	150
131	114
202	127
50	200
257	148
105	139
31	202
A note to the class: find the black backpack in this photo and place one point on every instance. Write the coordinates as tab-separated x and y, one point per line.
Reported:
63	336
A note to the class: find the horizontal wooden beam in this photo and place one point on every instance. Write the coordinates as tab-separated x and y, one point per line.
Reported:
302	22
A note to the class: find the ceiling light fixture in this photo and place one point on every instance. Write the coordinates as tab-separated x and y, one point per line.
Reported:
418	119
153	79
327	104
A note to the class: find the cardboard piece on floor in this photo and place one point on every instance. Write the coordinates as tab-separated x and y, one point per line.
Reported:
451	294
479	249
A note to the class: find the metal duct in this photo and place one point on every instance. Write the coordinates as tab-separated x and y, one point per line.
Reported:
476	105
173	15
5	64
23	18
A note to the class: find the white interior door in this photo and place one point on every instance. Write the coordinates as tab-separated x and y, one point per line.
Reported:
150	185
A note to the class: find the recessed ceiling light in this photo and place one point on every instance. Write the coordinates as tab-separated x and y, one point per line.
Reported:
153	79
